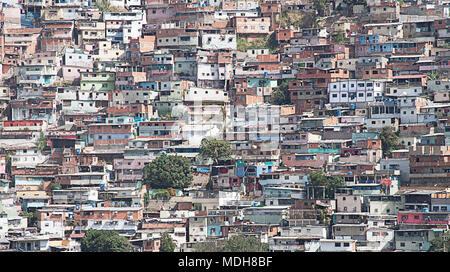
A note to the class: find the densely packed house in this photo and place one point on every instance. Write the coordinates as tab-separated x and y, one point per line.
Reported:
93	91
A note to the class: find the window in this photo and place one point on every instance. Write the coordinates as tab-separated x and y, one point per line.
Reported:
337	244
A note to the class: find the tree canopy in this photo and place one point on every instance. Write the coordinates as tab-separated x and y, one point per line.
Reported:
215	149
272	43
236	243
319	178
339	38
281	94
167	243
245	244
42	141
441	244
104	241
321	6
168	171
389	141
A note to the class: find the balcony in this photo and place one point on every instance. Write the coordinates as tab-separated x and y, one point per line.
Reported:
41	72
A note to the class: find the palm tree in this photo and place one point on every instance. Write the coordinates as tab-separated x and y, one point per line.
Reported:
433	75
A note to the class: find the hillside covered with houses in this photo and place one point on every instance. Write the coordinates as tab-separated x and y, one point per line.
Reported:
196	125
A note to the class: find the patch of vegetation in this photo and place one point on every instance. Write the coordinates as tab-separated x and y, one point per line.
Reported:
168	171
104	241
298	20
339	38
281	94
234	244
270	42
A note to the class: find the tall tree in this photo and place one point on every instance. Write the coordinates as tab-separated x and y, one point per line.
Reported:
331	183
389	141
272	43
168	171
104	241
215	149
167	243
42	141
281	94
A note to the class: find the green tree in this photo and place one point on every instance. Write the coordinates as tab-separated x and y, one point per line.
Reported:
103	5
167	243
162	194
278	97
8	163
272	43
389	141
321	6
210	246
433	75
245	244
42	141
104	241
281	94
331	183
339	38
146	199
241	44
55	186
323	217
236	243
32	218
215	149
441	243
168	171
